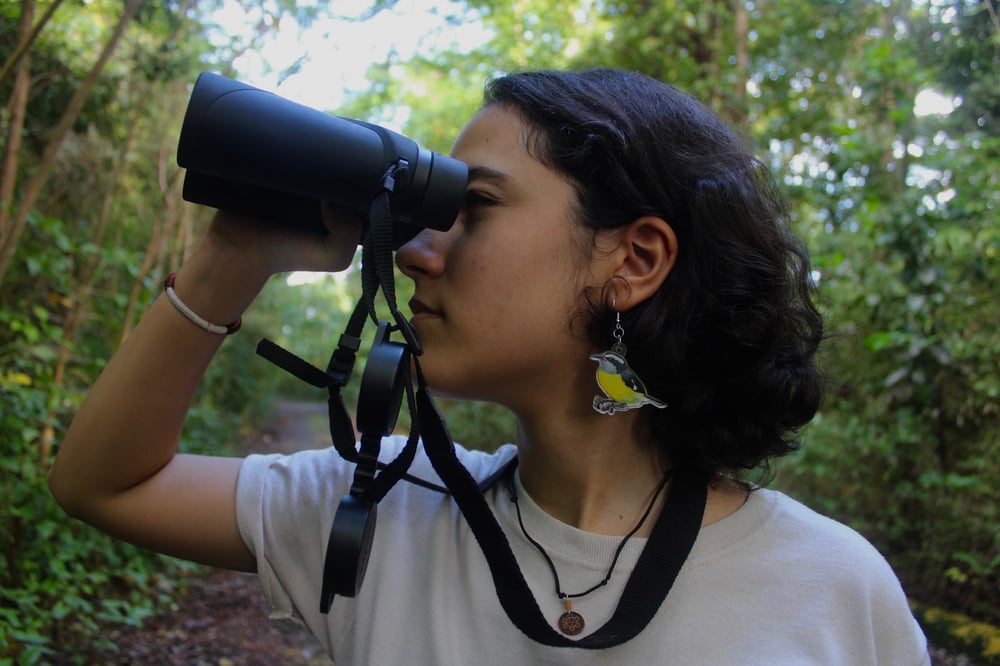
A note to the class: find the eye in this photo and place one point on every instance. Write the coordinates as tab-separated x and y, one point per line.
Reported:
476	199
476	204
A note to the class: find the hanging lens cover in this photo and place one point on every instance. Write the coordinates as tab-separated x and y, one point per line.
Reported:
353	530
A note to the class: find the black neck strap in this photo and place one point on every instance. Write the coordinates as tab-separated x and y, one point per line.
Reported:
667	548
387	378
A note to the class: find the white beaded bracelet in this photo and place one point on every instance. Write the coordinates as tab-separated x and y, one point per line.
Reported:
218	329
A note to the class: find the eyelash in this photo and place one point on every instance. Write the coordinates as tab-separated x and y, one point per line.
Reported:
475	199
475	202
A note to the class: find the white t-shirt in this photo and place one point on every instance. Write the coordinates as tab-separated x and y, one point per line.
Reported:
773	583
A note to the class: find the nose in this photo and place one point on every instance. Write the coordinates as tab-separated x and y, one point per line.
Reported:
423	255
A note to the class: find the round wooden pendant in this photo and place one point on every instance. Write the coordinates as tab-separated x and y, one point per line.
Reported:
571	623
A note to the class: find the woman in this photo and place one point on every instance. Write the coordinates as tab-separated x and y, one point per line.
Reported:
613	227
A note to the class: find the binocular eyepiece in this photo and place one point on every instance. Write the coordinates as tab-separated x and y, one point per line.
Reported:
256	153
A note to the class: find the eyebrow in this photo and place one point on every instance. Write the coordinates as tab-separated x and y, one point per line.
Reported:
488	173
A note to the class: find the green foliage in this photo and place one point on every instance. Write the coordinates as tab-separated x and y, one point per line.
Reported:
900	213
960	634
57	576
478	425
234	396
63	307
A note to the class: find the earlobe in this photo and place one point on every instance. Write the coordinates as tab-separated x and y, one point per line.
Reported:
648	253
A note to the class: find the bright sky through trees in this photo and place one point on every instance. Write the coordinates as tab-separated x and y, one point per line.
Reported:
319	65
330	58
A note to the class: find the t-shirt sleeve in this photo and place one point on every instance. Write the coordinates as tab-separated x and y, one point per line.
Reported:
285	505
898	636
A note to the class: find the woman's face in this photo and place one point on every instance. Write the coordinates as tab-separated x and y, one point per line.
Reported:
494	295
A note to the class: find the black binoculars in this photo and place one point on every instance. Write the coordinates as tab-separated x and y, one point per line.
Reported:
253	152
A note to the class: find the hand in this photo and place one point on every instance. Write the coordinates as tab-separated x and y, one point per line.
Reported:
264	248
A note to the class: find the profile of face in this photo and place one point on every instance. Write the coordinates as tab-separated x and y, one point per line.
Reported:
495	295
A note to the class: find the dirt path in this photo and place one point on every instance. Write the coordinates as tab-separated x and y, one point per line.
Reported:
220	619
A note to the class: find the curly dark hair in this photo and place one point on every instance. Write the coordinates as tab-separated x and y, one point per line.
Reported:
729	339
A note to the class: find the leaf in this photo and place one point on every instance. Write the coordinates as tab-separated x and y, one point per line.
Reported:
45	353
885	340
18	378
28	637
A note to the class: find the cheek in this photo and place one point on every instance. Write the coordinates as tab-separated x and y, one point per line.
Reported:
508	278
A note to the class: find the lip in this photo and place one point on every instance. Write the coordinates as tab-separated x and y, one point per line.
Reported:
421	310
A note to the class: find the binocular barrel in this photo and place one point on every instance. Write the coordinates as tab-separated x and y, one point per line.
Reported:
256	153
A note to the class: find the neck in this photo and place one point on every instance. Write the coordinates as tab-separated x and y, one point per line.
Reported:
596	472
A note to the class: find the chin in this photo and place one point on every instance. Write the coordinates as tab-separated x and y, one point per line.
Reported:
451	387
441	388
462	374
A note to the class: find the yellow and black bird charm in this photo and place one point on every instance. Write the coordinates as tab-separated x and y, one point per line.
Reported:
622	387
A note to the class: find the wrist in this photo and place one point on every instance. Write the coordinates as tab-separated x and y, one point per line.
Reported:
217	286
194	317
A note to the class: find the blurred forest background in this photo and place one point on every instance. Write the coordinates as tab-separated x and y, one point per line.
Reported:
881	119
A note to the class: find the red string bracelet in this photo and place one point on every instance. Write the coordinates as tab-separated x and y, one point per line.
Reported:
219	329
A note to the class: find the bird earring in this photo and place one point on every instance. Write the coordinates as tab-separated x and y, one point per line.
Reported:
622	388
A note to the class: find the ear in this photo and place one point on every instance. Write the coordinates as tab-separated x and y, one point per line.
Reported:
644	258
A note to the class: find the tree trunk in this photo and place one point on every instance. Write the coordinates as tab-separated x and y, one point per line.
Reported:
33	189
741	35
15	127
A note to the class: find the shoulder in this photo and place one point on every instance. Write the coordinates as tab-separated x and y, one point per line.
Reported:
805	538
323	474
809	575
802	528
480	464
776	540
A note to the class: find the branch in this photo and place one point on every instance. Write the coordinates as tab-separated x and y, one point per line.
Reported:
993	13
26	43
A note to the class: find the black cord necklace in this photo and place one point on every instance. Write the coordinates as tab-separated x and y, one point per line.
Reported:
571	622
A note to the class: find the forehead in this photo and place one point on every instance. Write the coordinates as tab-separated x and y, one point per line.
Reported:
495	132
494	144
